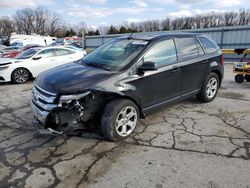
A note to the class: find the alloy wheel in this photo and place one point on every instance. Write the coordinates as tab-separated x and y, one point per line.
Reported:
126	121
21	76
212	87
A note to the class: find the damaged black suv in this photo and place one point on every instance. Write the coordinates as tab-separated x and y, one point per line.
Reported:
125	79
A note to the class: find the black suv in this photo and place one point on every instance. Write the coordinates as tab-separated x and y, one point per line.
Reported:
126	78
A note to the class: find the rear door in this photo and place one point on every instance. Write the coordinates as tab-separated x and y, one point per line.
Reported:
157	87
64	56
193	64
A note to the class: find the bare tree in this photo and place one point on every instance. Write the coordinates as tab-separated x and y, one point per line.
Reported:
6	26
25	20
230	18
165	24
244	17
54	24
41	17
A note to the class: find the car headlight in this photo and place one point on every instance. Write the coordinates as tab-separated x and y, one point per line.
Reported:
69	98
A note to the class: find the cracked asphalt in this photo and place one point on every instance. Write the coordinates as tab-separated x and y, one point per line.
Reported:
187	144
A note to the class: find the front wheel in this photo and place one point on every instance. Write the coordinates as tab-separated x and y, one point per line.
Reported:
20	76
119	119
247	77
209	89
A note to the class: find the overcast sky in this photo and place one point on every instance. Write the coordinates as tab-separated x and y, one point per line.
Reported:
106	12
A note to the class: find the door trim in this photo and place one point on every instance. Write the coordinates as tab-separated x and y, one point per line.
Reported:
171	100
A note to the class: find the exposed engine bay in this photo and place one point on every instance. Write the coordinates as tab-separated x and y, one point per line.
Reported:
70	112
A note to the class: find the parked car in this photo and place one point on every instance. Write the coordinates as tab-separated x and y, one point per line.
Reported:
76	48
8	49
125	79
30	63
2	47
13	54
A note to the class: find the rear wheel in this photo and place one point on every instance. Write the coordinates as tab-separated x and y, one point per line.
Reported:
247	77
209	89
239	78
119	119
20	76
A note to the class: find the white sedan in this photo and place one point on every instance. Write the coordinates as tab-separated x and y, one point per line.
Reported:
32	62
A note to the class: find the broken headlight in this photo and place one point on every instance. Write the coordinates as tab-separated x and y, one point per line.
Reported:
65	99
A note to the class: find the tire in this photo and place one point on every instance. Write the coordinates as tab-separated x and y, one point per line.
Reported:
239	78
209	89
115	122
20	76
247	77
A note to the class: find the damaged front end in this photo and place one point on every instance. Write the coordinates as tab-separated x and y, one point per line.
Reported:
60	113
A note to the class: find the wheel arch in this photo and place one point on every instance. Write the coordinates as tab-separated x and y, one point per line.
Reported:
219	74
119	96
31	75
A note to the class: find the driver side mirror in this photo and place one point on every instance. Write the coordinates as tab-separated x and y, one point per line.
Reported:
148	66
36	58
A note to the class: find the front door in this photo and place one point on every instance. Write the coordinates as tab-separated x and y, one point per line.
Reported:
159	86
42	61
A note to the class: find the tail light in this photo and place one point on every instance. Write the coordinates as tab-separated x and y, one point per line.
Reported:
222	59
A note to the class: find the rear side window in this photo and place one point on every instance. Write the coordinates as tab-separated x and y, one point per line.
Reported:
209	46
163	53
186	48
46	53
200	50
61	52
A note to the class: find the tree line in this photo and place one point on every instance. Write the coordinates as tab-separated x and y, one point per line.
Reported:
212	19
43	22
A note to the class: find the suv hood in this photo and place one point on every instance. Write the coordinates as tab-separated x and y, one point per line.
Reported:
71	78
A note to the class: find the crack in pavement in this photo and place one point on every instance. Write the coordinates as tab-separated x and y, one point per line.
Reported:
219	130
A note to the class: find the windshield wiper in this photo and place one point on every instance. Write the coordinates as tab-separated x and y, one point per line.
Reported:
96	65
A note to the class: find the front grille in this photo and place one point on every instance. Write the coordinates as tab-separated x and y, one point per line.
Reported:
44	100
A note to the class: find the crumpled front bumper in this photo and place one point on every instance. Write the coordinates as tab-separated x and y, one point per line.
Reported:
40	115
42	103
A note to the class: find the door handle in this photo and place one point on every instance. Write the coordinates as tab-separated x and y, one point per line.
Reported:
175	69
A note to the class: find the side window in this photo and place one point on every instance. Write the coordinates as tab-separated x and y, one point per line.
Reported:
186	48
208	45
200	50
162	53
61	52
46	53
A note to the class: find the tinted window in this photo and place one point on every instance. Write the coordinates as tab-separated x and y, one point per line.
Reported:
60	52
27	54
208	45
162	53
46	53
200	50
186	48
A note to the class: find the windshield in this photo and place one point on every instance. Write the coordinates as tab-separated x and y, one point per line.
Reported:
27	54
116	54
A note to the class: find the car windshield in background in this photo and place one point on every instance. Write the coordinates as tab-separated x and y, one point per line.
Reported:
27	54
116	54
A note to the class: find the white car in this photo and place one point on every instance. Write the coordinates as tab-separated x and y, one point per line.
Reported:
30	63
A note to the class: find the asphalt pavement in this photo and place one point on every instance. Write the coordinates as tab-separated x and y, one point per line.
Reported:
187	144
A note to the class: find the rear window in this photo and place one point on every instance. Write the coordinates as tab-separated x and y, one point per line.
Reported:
209	46
186	48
